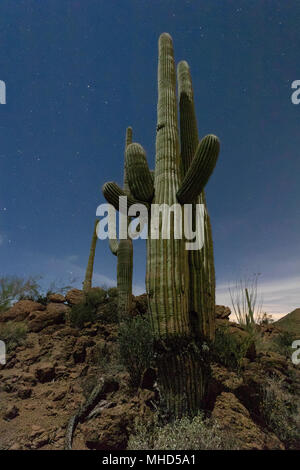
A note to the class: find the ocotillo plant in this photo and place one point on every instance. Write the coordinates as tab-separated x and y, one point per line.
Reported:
87	284
180	286
124	251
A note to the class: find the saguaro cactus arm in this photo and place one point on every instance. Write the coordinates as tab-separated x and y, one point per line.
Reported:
112	192
201	168
139	176
87	284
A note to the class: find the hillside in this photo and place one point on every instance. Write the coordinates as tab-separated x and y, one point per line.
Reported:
290	323
61	370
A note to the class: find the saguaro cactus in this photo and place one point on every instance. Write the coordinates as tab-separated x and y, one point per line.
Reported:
201	262
123	249
87	284
180	284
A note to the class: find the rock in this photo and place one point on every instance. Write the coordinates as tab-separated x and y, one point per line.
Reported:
75	296
55	314
24	392
141	303
79	353
45	372
110	430
57	298
29	378
228	379
222	312
10	413
59	395
20	310
38	438
234	419
149	378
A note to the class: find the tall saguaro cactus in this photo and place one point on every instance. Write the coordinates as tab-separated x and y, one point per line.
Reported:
201	262
180	284
123	249
87	284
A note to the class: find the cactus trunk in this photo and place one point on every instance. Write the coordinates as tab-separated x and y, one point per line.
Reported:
87	284
167	268
122	249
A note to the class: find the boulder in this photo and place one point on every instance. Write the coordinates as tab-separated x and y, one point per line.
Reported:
57	298
75	296
222	312
55	314
234	419
21	310
10	413
45	372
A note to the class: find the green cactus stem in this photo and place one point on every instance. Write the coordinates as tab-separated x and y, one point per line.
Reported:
123	249
201	168
138	173
201	262
87	284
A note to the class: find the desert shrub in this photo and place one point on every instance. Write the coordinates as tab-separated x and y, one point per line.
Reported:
229	349
135	347
282	343
198	433
13	334
109	311
280	412
86	311
81	314
112	292
14	288
96	296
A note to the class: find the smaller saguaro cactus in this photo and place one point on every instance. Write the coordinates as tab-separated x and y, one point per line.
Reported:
87	284
123	249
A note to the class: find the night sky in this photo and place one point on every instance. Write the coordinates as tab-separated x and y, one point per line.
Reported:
78	72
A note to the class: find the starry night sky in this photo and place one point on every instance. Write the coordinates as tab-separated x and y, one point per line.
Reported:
78	72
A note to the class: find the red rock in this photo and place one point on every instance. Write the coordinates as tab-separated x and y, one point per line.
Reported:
20	310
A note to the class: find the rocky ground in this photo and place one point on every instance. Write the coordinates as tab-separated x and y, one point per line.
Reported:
47	379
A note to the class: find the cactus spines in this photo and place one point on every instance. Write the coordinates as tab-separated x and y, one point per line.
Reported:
87	284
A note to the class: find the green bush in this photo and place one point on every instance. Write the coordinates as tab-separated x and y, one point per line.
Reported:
112	292
282	343
197	433
86	311
229	349
14	288
280	412
13	334
135	347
